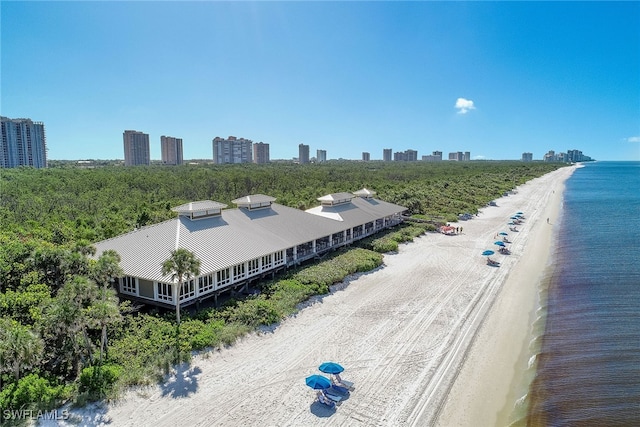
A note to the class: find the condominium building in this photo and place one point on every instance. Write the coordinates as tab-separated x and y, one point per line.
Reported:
171	150
366	156
386	154
260	152
23	143
466	156
303	153
232	150
405	156
136	148
527	157
435	156
321	156
456	156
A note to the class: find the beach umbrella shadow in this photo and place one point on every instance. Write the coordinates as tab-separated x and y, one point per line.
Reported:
321	411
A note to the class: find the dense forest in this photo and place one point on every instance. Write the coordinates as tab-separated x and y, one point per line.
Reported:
65	335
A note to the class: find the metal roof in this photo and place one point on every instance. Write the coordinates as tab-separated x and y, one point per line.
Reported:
237	235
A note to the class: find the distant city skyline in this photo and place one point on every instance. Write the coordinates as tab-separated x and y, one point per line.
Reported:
496	79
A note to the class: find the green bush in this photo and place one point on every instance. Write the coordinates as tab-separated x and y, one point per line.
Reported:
255	312
99	381
34	392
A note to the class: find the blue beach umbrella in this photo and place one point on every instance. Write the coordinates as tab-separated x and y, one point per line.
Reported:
520	213
499	243
331	368
318	382
488	252
513	217
502	233
511	223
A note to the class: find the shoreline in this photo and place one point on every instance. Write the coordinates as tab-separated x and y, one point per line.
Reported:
503	374
406	333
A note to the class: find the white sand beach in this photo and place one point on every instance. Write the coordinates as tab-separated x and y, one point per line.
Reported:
433	337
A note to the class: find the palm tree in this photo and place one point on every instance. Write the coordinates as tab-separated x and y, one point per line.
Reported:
105	310
182	265
20	348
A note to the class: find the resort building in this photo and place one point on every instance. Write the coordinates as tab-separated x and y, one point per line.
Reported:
171	150
527	157
244	244
136	148
386	154
303	153
23	143
232	150
260	153
366	156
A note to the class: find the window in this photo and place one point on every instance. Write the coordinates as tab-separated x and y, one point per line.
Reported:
128	285
222	277
205	284
239	272
188	290
165	291
267	260
254	266
278	258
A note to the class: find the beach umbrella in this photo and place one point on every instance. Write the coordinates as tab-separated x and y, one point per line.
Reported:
502	233
499	243
488	252
331	368
520	213
511	223
513	217
318	382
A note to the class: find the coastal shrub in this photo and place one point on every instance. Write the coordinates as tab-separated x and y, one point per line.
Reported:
255	312
98	382
231	332
384	245
288	293
34	392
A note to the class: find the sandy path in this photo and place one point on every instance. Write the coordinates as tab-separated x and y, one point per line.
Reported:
402	332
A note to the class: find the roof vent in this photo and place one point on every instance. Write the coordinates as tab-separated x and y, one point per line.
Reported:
199	210
335	199
254	201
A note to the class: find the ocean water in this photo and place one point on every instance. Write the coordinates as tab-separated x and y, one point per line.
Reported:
587	368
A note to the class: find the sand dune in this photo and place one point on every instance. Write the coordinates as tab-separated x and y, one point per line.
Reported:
433	337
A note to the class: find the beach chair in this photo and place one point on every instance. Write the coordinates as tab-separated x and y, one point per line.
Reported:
331	396
325	401
344	383
338	389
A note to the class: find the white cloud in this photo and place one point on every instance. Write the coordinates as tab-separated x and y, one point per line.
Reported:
464	105
633	139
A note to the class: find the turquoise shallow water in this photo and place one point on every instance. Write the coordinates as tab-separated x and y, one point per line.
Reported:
588	366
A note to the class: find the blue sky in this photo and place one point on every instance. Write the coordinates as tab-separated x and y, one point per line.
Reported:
345	77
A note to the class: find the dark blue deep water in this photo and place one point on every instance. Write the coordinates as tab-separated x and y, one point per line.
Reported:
588	369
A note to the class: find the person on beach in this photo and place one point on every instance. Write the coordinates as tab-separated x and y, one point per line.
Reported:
547	220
